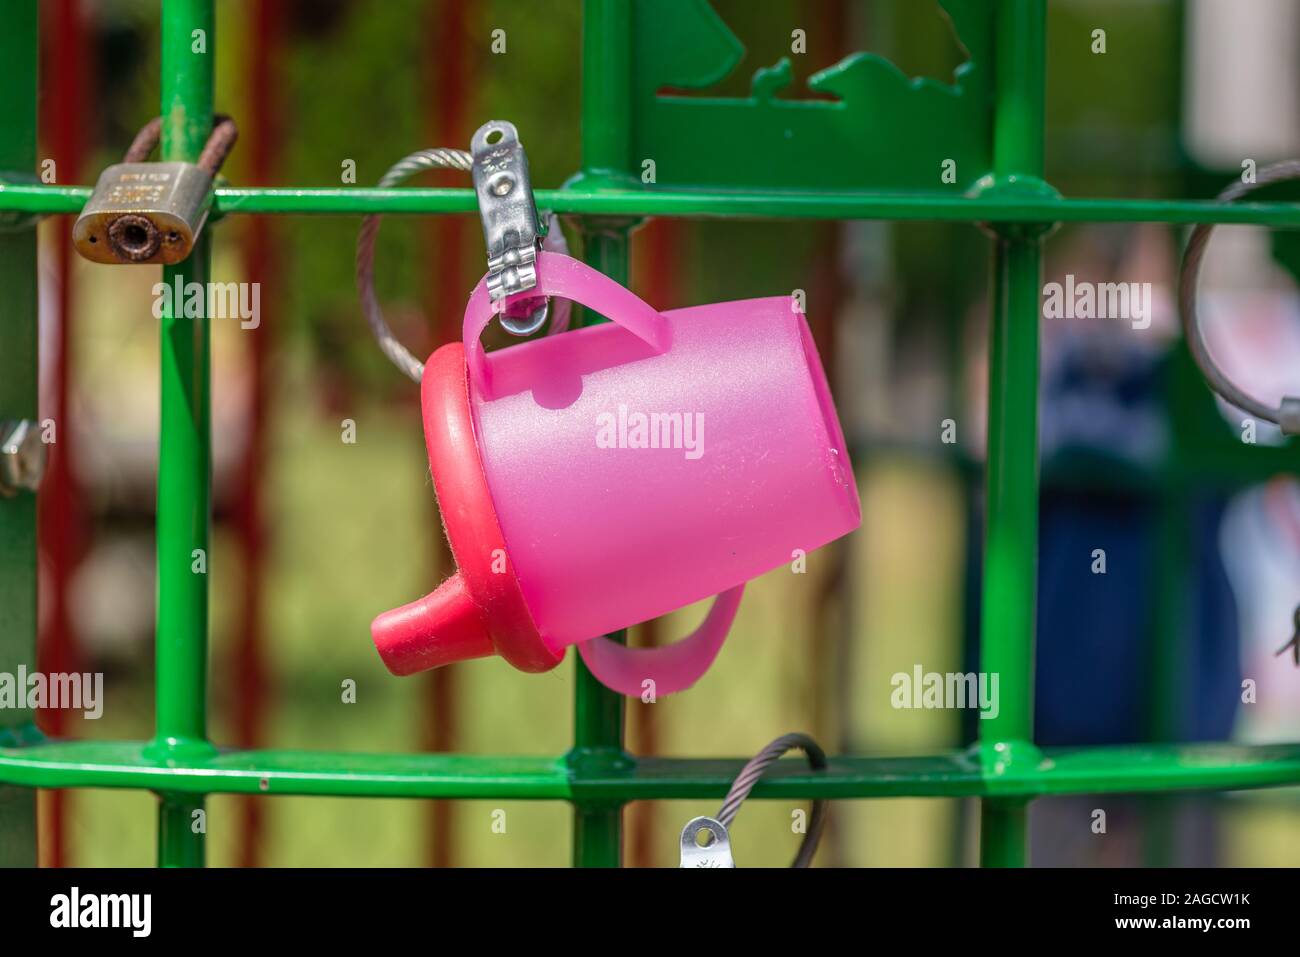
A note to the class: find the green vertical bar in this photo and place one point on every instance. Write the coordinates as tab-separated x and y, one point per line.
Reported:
1173	558
184	461
606	132
18	370
1003	834
1011	519
598	711
180	833
1172	572
606	89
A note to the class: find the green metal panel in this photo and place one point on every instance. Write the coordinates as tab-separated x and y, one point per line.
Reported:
871	153
18	369
869	123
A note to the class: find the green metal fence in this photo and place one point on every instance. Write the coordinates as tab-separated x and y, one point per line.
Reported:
994	132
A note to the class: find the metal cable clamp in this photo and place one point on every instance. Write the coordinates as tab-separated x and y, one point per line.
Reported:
22	457
399	172
510	229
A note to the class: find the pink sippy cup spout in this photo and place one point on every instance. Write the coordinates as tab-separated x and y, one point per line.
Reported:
444	626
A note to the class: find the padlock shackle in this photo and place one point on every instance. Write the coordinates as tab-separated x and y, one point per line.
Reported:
220	142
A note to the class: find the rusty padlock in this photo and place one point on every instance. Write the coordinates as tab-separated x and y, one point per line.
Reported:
144	212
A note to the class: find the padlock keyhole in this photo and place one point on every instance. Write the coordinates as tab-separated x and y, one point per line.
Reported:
134	237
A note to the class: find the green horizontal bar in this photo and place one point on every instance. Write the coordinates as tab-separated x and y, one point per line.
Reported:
114	764
125	764
29	198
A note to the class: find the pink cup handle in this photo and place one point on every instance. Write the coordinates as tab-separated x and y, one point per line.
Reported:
673	668
561	275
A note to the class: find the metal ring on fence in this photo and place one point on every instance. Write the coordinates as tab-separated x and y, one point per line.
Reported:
1287	415
402	170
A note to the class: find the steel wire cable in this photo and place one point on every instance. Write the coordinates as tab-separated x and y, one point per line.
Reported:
1188	311
754	770
400	171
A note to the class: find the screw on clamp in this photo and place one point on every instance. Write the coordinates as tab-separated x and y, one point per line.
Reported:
22	457
509	214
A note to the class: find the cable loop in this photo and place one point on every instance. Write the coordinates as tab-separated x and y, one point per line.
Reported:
1286	415
400	171
755	768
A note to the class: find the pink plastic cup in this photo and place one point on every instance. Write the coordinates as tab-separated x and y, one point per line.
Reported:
632	468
